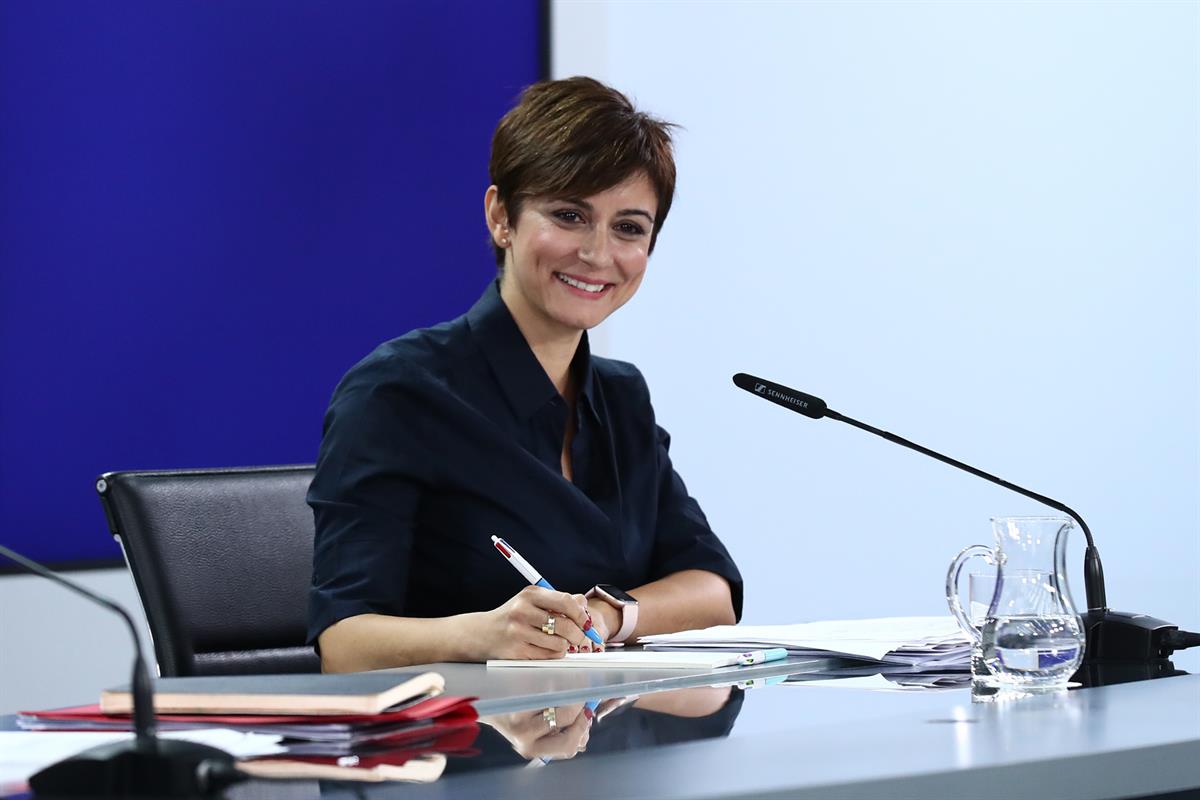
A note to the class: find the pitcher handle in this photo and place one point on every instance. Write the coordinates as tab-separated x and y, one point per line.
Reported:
960	560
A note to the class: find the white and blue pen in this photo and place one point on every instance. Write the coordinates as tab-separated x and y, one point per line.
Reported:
532	575
762	656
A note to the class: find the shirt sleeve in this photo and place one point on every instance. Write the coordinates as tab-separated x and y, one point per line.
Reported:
365	493
683	539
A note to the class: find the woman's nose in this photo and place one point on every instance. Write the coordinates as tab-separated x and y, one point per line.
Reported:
595	248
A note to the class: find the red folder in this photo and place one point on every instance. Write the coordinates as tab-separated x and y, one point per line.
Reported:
432	708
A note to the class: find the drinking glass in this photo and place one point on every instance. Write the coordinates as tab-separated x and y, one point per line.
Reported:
981	587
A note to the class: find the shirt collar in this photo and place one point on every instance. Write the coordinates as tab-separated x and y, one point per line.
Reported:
584	369
520	375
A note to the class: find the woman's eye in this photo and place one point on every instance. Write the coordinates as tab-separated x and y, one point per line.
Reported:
567	215
631	229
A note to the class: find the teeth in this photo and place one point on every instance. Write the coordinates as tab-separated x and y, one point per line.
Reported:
587	287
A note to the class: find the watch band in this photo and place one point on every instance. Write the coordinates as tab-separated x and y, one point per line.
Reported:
629	614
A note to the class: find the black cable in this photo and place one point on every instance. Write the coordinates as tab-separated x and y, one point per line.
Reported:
1180	640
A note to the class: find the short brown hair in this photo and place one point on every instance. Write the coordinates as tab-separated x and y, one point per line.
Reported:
578	137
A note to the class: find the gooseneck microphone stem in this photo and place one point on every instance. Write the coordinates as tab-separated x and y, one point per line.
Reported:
144	726
1093	570
1113	637
144	766
815	408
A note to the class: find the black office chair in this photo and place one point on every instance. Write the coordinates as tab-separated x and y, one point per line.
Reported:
222	560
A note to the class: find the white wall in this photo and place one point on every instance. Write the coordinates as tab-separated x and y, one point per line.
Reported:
972	224
58	649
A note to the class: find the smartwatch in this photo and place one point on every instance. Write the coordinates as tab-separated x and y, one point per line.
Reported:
623	602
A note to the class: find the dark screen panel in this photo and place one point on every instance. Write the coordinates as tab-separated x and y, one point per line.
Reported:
210	211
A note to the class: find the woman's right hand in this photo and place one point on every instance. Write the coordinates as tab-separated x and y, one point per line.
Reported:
514	630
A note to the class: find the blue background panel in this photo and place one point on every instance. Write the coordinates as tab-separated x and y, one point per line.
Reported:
210	211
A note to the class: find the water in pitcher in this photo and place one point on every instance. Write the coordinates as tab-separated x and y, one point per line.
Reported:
1032	650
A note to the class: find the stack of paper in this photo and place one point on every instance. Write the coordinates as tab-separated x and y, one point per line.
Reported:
368	726
325	734
408	743
923	642
418	769
298	694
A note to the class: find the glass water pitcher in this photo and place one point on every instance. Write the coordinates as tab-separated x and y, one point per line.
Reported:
1032	638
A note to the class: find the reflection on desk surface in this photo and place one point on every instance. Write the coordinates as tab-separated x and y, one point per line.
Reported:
545	739
1100	673
534	738
543	736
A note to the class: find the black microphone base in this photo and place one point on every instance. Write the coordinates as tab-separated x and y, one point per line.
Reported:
1108	673
132	768
1124	636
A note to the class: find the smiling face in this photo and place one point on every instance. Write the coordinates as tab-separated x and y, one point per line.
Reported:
572	261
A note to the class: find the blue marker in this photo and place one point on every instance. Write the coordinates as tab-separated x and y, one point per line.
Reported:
532	575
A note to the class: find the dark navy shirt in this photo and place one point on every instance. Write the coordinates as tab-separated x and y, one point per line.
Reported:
448	435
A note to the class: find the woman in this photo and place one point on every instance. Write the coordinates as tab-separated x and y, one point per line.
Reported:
500	422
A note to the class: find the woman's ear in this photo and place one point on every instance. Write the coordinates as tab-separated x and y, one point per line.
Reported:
497	217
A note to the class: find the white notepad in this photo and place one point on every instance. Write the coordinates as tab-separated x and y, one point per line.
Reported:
918	641
632	659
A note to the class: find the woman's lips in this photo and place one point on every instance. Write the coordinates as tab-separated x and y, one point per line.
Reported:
581	287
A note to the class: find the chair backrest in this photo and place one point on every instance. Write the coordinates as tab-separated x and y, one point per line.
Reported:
222	560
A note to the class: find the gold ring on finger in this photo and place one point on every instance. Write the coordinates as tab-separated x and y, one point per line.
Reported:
548	628
551	717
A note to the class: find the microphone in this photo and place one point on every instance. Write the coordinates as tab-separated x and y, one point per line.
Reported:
145	766
1111	635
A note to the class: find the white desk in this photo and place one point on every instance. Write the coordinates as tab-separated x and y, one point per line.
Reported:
1123	741
1130	740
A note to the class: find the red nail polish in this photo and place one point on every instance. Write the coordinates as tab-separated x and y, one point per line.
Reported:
571	649
587	626
587	712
